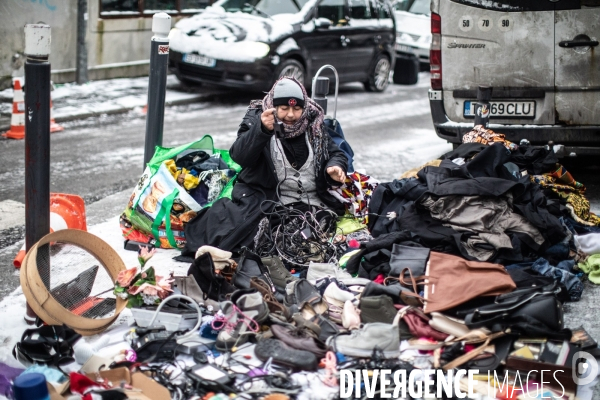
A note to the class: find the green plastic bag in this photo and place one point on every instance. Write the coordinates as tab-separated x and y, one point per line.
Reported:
159	206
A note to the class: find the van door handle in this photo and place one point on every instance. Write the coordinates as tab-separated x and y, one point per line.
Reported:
578	43
344	40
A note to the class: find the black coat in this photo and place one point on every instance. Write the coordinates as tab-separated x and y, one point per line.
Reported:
231	224
252	151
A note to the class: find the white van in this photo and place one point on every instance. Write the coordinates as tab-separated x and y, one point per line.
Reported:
541	57
413	38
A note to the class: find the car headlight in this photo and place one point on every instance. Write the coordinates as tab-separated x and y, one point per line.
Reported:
255	49
173	32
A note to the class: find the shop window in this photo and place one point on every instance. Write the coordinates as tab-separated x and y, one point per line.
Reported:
147	8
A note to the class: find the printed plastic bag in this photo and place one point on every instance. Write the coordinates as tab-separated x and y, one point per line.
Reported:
176	184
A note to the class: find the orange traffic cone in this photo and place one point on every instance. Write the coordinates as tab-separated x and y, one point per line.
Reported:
67	211
54	127
17	119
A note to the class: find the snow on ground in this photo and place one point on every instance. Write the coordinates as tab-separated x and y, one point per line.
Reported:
13	306
409	151
97	97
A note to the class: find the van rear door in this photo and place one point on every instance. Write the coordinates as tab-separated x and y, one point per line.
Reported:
500	44
577	65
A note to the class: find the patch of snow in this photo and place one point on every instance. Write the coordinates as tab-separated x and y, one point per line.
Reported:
12	307
363	23
132	101
379	113
409	150
308	27
223	35
387	23
120	13
227	38
12	213
287	45
492	5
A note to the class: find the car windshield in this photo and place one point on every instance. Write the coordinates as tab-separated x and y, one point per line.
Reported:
413	6
266	8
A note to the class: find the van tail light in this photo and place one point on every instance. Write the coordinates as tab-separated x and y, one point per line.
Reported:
435	52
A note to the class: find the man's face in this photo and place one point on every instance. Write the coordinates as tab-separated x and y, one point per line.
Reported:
288	114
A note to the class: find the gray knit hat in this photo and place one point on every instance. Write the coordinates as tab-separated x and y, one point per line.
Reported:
288	93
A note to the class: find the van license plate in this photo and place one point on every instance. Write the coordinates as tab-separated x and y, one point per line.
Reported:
403	48
503	109
199	60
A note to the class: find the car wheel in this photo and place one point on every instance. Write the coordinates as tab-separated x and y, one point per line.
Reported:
406	71
379	76
292	68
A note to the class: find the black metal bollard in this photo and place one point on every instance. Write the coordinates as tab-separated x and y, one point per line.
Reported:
321	89
37	141
157	83
482	107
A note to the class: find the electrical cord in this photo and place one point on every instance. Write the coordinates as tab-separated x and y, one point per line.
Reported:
192	332
298	237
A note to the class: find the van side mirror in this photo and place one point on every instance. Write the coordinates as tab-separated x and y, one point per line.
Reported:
322	23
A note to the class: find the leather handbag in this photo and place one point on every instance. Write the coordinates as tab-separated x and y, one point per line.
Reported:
534	306
251	266
450	281
418	324
413	258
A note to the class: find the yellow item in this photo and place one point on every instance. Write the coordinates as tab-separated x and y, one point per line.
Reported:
523	352
412	173
348	224
182	176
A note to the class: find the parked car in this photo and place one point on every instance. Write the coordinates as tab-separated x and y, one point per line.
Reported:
540	57
248	44
413	37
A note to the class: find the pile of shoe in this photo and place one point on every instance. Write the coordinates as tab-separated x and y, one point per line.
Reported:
301	324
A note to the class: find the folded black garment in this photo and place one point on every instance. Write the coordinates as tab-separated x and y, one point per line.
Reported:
465	150
382	242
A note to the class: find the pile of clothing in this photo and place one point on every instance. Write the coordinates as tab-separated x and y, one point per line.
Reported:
466	264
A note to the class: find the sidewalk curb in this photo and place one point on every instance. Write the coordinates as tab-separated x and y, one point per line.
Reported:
122	110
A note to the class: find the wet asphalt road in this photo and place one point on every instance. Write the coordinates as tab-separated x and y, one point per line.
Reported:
99	157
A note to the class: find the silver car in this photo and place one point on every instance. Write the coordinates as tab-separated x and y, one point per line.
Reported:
541	58
413	38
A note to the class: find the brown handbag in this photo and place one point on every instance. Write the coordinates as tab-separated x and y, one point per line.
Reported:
450	281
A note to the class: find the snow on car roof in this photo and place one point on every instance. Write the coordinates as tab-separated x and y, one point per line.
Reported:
224	35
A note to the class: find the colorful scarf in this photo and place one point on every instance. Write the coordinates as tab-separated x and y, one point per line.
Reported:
479	134
310	122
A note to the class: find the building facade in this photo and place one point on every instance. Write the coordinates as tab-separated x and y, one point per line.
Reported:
118	35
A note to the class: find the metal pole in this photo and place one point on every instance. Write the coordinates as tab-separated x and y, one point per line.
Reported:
82	65
157	83
337	84
482	107
37	141
321	88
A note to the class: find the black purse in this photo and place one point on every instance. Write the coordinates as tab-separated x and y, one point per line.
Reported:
251	266
214	286
534	307
413	258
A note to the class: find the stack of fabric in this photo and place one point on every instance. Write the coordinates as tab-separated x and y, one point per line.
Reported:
464	264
